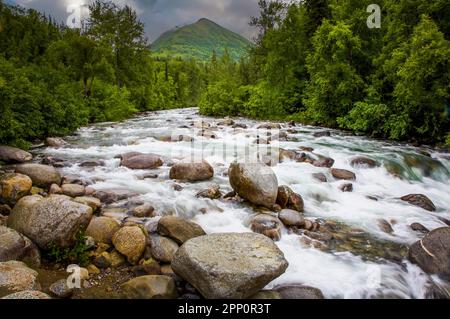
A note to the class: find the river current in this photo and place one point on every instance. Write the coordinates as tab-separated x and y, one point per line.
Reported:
374	265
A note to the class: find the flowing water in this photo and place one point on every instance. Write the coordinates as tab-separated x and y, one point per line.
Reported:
377	269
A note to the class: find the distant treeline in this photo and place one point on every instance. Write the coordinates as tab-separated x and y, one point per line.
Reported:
54	79
316	61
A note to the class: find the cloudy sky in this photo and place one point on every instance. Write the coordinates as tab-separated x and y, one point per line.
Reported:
162	15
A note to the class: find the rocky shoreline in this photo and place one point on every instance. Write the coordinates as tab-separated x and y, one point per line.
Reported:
49	220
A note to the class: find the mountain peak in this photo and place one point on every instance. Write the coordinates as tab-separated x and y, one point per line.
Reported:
199	40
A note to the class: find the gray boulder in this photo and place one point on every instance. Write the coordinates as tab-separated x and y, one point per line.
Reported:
41	175
15	276
192	172
10	154
15	246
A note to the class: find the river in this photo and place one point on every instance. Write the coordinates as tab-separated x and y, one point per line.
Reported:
373	266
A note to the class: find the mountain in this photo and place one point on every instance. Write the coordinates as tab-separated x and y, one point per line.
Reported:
198	41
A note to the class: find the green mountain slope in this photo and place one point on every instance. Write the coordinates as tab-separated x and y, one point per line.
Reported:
198	41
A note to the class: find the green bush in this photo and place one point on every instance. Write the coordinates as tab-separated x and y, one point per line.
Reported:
78	253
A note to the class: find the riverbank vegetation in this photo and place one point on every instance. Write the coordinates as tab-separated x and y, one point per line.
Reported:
315	62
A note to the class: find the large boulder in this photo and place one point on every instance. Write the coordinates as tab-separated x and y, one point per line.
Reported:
15	246
432	253
179	229
420	200
13	187
343	174
52	220
255	182
10	154
15	276
192	172
286	198
229	266
102	229
130	241
162	248
73	190
41	175
291	217
150	287
142	161
364	162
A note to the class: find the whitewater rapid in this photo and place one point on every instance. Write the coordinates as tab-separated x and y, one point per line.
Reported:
338	274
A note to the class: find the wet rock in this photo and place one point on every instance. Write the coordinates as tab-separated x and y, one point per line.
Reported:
299	292
102	260
27	294
432	253
15	246
109	196
420	201
207	134
267	225
127	156
13	187
270	126
363	162
55	142
147	161
202	125
286	198
291	217
419	228
239	125
322	134
150	287
15	276
130	241
255	182
320	177
322	161
177	187
92	202
226	122
41	175
261	141
102	229
229	266
385	226
179	229
144	211
212	192
162	248
52	220
192	172
73	190
343	174
306	149
266	294
14	155
92	164
346	188
60	289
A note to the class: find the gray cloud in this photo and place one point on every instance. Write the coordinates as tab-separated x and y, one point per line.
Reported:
162	15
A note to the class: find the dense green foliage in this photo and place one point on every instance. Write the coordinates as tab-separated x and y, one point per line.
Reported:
54	79
199	40
78	253
316	61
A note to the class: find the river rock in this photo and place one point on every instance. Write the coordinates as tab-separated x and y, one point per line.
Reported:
229	266
286	198
346	188
73	190
432	253
147	161
207	134
291	217
322	161
267	225
322	134
130	241
102	260
92	202
266	294
109	196
202	125
179	229
150	287
27	294
41	175
60	289
270	126
299	292
255	182
320	177
192	172
10	154
144	211
15	246
102	229
212	192
52	220
162	248
13	187
15	276
385	226
362	161
419	228
5	209
126	156
343	174
55	189
420	201
55	142
226	122
92	163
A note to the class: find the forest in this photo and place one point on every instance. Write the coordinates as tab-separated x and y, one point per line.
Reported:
315	62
